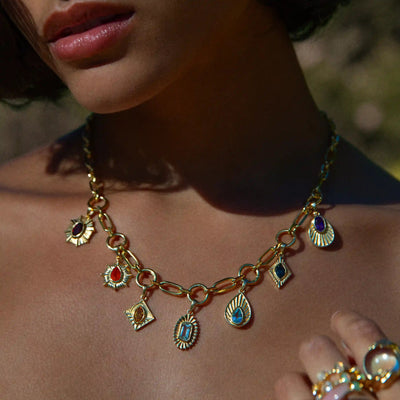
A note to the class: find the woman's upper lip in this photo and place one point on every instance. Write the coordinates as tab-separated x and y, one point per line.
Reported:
81	17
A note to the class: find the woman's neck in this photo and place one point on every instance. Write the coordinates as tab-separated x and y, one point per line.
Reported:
238	118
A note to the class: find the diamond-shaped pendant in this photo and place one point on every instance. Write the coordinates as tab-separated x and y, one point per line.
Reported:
280	272
140	315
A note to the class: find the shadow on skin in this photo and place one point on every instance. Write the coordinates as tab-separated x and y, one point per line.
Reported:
353	179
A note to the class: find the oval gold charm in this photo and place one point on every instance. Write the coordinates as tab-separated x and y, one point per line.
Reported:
186	332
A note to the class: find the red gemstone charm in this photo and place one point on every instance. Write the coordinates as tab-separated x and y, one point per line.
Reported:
116	274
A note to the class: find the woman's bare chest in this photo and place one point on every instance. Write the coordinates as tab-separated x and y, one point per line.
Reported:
62	324
69	337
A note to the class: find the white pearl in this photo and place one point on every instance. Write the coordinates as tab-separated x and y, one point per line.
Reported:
381	361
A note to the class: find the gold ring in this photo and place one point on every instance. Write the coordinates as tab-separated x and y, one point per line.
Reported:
339	382
382	364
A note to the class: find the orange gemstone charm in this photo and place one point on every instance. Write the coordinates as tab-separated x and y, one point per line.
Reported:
140	315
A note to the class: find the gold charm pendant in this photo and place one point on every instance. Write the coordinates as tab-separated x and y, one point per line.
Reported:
140	315
280	272
80	231
321	232
186	332
238	311
117	276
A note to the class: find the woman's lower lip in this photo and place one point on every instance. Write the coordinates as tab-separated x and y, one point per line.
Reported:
87	44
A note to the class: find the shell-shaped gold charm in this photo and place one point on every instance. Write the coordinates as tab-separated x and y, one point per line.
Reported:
186	332
321	232
238	311
80	231
140	315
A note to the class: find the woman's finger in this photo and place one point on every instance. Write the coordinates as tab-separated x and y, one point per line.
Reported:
293	386
327	367
359	333
319	354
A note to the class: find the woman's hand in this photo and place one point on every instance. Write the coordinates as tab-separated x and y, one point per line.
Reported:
320	355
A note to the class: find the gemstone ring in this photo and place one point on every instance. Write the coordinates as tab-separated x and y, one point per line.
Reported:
382	364
341	383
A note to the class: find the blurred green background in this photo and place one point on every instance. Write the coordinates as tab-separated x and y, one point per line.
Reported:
352	66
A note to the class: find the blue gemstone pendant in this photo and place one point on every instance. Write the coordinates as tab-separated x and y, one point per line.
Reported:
238	311
321	232
186	332
280	272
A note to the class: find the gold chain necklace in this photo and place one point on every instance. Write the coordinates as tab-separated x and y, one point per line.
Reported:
238	311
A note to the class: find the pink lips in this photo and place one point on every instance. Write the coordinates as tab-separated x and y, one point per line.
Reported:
86	29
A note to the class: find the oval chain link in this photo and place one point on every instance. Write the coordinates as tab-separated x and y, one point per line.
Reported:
98	203
106	223
179	290
127	256
225	285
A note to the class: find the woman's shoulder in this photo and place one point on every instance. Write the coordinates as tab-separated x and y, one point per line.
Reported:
33	190
24	173
45	170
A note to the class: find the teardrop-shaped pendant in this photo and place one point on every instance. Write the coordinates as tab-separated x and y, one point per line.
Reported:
186	332
140	315
116	276
321	232
80	231
238	311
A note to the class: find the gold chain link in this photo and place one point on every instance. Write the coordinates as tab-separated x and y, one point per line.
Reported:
98	204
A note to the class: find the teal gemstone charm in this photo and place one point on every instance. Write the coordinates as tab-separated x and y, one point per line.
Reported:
186	332
280	273
238	311
238	316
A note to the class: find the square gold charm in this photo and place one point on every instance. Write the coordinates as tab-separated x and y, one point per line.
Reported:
280	272
140	315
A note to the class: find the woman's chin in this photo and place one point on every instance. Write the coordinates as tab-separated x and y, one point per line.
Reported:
107	104
105	100
119	92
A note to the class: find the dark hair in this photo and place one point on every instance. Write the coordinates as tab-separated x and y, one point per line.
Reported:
24	76
23	73
303	17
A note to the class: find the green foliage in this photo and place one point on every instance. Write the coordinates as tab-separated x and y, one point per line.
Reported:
353	71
